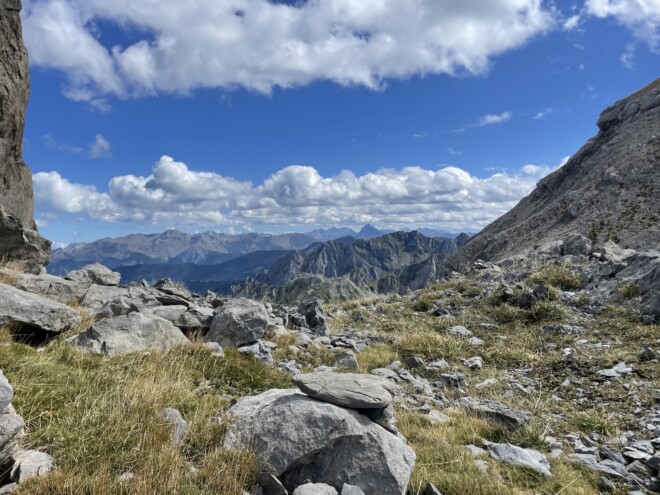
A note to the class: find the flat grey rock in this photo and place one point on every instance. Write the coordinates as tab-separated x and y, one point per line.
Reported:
298	439
620	370
459	331
347	389
495	411
126	334
95	273
51	286
34	311
238	322
517	456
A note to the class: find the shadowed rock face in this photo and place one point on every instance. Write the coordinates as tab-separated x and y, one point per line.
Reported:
18	237
608	190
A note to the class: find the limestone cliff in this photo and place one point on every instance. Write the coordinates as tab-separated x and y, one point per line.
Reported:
18	236
610	189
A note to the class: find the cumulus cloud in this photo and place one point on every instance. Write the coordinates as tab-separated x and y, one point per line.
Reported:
642	17
179	46
175	195
489	119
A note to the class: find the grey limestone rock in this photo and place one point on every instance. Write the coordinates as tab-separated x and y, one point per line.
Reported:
30	463
94	274
347	389
517	456
238	322
300	440
496	412
34	311
126	334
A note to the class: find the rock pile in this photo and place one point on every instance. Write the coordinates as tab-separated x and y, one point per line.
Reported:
325	435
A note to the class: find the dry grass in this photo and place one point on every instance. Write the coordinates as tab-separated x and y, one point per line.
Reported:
10	270
99	417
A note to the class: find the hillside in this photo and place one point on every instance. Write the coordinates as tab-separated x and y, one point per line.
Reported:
608	190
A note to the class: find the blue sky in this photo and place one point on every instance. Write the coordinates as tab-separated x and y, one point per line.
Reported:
440	114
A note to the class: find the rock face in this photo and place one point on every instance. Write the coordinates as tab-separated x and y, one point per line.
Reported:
303	440
124	334
21	308
18	237
608	190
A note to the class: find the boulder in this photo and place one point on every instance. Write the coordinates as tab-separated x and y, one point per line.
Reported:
107	302
130	333
238	322
95	273
51	286
312	311
347	389
300	440
260	351
346	360
35	312
577	245
610	251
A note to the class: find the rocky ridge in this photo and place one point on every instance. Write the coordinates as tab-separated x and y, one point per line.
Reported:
607	191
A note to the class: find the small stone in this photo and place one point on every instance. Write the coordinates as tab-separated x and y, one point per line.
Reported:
346	360
453	380
438	364
315	489
216	349
474	450
414	362
477	342
437	417
351	490
177	424
474	363
647	354
28	464
487	383
481	464
459	331
620	370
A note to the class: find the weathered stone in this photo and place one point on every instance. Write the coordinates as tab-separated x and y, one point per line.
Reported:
647	354
238	322
414	362
269	485
177	424
384	417
95	273
351	490
130	333
577	245
347	389
346	360
35	312
6	392
51	286
495	411
260	352
216	349
312	311
11	427
620	370
315	489
301	439
30	463
474	363
517	456
459	331
109	302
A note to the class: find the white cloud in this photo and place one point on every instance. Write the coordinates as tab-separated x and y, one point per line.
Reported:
642	17
100	147
488	119
543	114
572	22
259	44
174	195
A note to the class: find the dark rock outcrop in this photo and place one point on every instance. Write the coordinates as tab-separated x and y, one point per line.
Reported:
18	237
608	190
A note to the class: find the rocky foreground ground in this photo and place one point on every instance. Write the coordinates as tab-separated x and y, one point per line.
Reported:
536	375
